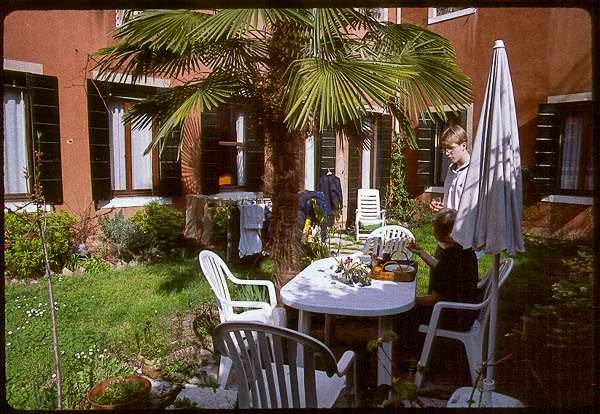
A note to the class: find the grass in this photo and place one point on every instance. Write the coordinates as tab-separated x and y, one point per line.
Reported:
96	311
100	314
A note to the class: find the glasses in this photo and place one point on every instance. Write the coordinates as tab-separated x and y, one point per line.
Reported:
449	150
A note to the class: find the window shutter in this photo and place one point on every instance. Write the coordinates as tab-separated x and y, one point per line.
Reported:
354	158
209	158
426	143
547	148
383	153
169	166
99	140
326	153
255	152
43	101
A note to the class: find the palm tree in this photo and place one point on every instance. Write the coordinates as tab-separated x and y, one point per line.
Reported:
305	68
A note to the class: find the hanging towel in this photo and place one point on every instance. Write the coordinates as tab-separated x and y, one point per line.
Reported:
251	219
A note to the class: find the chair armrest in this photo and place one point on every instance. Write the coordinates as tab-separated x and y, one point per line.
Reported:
249	304
345	362
437	309
270	287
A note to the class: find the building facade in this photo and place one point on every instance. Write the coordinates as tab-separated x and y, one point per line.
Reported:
91	157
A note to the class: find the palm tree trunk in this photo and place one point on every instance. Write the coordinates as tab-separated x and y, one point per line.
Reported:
285	158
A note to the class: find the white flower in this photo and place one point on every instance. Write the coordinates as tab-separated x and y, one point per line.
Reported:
92	297
101	356
23	327
85	356
56	303
18	328
53	375
8	344
104	350
62	352
35	297
26	321
10	332
155	311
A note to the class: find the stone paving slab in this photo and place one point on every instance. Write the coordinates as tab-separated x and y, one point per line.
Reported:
206	397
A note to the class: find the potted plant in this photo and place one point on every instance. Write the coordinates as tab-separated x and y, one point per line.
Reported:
116	393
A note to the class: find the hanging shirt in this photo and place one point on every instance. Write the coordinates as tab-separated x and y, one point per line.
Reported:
454	184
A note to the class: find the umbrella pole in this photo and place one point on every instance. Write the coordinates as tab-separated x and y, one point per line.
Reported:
488	382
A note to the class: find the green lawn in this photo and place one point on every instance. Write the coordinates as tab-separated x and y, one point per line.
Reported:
95	312
105	318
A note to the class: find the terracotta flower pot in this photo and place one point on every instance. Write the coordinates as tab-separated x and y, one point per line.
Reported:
99	388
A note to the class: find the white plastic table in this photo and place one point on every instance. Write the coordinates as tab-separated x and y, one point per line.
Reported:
312	291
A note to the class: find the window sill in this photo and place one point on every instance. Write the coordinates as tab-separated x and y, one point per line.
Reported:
140	201
453	15
555	198
434	189
31	208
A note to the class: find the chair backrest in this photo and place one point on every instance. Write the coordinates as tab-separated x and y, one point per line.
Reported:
389	238
262	355
368	203
505	269
216	271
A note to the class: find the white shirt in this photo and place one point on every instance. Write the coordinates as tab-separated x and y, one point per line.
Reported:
454	184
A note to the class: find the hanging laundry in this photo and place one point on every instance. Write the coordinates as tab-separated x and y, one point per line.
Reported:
331	187
252	217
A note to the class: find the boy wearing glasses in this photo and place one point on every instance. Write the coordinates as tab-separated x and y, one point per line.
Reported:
454	146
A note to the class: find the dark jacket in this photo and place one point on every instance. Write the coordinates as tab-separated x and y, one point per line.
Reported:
331	187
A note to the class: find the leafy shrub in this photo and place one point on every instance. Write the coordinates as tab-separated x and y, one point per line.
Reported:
124	239
162	223
219	221
23	246
87	264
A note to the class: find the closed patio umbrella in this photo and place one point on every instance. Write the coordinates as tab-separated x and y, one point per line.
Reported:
490	210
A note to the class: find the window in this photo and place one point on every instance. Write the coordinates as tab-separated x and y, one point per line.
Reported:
118	165
232	155
565	136
30	106
432	165
319	157
131	170
380	14
439	14
369	165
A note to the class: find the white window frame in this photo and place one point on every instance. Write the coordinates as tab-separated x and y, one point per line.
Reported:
309	164
385	14
398	15
434	18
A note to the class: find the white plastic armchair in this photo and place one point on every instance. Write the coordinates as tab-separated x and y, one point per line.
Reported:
369	210
266	369
216	272
474	338
389	238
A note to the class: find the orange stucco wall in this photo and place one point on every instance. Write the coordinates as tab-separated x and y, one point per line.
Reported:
62	41
549	52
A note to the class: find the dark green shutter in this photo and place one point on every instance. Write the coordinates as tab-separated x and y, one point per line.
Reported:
169	166
255	152
354	180
547	148
99	140
43	103
426	157
209	158
325	153
383	153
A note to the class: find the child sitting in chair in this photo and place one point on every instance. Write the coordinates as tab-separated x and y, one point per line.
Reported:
453	277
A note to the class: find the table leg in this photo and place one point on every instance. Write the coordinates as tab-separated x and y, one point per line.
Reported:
304	322
384	363
329	329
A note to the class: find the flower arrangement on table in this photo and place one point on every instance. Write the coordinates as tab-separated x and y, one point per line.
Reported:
353	271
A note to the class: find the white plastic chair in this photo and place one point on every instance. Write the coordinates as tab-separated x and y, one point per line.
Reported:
267	373
368	211
473	339
389	238
215	270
